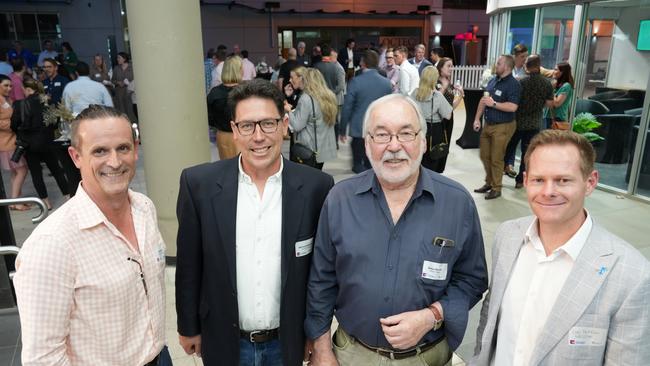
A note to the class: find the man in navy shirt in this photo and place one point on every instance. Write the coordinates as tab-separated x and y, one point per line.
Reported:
398	253
499	108
53	83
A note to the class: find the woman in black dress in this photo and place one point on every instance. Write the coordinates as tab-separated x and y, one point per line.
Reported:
453	93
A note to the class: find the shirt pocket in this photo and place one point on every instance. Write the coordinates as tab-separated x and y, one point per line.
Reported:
436	260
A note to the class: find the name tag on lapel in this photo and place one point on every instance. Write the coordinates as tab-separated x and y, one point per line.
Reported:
304	247
434	271
587	336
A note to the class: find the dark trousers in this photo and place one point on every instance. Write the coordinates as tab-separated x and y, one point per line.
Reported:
435	135
360	162
34	159
72	174
525	137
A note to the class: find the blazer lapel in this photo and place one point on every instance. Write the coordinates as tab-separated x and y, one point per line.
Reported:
292	210
589	272
224	206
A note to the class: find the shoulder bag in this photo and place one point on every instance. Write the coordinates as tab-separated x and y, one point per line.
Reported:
440	150
301	153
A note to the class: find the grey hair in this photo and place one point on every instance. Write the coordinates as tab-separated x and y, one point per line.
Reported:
301	43
388	98
423	47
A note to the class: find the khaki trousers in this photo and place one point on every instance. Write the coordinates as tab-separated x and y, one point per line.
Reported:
349	352
493	142
226	145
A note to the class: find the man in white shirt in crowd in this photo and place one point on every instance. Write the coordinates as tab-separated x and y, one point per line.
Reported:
563	291
520	53
90	279
248	68
409	79
79	94
48	52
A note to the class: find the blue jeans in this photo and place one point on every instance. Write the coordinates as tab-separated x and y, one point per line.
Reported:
260	354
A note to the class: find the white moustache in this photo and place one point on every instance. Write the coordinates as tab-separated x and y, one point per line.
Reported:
402	155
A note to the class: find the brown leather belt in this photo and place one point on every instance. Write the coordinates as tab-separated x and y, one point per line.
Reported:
399	355
260	336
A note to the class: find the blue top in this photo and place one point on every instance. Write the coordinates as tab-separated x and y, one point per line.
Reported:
5	68
79	94
362	90
54	88
502	90
207	73
366	268
25	54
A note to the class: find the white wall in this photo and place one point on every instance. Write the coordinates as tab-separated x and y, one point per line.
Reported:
628	67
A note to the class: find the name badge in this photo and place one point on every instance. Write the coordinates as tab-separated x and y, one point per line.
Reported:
160	254
434	271
98	75
57	83
587	336
497	93
304	247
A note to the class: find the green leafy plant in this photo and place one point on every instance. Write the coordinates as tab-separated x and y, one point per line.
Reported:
584	124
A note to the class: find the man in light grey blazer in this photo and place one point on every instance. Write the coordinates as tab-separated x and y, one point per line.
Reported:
564	291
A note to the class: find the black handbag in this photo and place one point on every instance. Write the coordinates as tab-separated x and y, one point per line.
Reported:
301	153
440	150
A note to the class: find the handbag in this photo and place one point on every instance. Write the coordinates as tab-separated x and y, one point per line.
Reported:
301	153
557	124
440	150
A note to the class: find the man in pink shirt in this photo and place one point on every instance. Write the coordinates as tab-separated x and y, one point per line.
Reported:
90	279
17	90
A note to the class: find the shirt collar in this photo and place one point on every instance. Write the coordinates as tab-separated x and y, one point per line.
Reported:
245	178
572	247
88	213
369	182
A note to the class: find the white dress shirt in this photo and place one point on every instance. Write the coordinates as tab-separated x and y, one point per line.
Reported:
248	70
350	58
532	290
216	75
409	78
79	94
258	251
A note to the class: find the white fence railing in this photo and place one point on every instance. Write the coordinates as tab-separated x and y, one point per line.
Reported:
469	76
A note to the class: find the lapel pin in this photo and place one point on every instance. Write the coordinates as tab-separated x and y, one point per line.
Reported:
602	270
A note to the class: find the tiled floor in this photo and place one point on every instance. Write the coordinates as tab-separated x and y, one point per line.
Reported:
624	217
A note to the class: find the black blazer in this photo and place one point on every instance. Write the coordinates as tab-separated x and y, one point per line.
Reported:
206	284
343	58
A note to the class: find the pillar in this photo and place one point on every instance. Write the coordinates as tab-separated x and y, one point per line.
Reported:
167	54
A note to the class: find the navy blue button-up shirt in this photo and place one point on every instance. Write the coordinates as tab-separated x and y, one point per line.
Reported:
54	88
365	267
502	90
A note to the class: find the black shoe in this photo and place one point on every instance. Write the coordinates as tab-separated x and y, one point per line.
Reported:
519	185
510	172
484	189
492	195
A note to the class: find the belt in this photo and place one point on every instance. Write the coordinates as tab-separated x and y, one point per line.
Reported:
260	336
399	355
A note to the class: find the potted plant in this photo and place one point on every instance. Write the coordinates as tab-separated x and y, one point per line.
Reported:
584	124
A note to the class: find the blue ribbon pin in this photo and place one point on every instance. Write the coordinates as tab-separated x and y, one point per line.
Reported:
602	270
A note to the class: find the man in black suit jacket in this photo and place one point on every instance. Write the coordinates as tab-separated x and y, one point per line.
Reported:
243	222
348	59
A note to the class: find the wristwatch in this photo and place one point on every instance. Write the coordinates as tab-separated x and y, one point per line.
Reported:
437	323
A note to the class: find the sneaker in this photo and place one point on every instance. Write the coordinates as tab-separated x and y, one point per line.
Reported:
486	188
492	195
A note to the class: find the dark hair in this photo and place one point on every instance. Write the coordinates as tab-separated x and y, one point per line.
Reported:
4	77
92	112
244	53
67	45
125	56
51	60
441	64
533	62
565	77
18	64
370	58
221	47
559	137
210	53
35	85
325	49
519	49
438	51
348	42
47	41
403	50
82	68
259	88
221	55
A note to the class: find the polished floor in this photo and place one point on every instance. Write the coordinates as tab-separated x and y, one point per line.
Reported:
625	217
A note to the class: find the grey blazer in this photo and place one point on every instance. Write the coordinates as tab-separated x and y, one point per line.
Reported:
300	124
608	288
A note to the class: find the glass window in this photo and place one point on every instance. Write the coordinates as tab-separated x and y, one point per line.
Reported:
522	24
555	37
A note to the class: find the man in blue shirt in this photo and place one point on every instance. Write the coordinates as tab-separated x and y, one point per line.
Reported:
80	93
53	83
398	255
499	107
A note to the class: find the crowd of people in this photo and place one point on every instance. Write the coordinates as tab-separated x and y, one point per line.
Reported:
29	86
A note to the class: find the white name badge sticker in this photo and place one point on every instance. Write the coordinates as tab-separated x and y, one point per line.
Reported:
57	83
304	247
160	254
587	336
434	271
497	93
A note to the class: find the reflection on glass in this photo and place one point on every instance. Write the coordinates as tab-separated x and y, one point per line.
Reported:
555	38
522	23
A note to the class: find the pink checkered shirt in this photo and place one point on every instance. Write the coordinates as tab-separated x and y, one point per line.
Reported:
81	302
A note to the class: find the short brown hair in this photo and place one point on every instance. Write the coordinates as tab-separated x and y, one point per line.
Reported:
558	137
403	50
95	111
510	61
519	49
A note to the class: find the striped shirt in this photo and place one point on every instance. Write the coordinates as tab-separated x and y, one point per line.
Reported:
502	90
81	301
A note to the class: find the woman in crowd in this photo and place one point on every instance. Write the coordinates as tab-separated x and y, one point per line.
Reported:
8	144
27	122
69	59
219	114
99	71
454	94
559	110
434	108
122	77
316	110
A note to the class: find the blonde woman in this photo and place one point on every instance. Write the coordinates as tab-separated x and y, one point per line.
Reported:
434	108
219	115
317	108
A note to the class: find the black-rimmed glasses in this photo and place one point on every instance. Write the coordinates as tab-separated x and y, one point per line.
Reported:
384	138
268	125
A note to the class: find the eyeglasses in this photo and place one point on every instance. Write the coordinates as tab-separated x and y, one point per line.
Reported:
141	274
389	57
247	128
384	138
